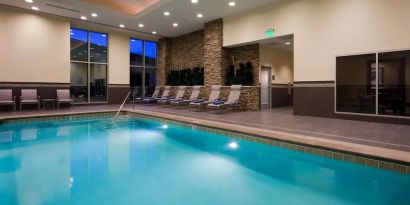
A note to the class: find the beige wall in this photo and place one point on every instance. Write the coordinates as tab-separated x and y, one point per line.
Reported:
280	61
36	47
325	28
33	48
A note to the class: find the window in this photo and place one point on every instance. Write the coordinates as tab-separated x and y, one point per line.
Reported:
88	65
376	84
143	66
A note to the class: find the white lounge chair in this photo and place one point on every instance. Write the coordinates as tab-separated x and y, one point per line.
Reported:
29	96
64	97
7	98
135	99
215	91
194	96
165	95
233	99
179	96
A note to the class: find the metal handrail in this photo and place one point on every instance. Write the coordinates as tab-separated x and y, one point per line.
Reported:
122	105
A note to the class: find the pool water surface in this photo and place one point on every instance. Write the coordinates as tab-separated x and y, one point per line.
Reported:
144	161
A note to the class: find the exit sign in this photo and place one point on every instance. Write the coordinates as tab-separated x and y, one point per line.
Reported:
270	33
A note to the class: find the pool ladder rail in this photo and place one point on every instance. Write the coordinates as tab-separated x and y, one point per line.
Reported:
109	123
113	122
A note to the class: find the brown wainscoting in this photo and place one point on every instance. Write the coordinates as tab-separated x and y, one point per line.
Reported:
280	96
314	98
317	99
117	93
44	90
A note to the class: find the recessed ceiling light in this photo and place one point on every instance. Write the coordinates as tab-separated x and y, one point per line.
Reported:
122	25
94	15
154	32
175	25
29	1
194	1
199	15
232	4
35	8
288	43
83	18
141	25
166	13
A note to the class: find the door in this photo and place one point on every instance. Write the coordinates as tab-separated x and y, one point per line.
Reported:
265	79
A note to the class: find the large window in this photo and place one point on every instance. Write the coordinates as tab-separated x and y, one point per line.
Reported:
88	65
376	84
143	66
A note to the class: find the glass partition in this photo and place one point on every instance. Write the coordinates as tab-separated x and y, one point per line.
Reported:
376	83
394	82
355	88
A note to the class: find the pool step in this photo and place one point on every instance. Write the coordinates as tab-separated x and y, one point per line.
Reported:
109	123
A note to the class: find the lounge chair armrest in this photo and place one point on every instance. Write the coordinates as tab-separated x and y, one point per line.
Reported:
14	98
38	98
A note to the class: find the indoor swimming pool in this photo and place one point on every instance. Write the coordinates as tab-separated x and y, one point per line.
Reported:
151	162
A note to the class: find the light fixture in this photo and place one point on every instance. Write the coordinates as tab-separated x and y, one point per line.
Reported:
29	1
233	145
141	25
232	4
175	25
166	13
83	18
71	33
35	8
194	1
94	15
288	43
103	35
122	25
199	15
164	126
154	32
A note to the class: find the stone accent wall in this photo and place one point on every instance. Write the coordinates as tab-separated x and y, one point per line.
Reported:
243	54
164	60
213	53
204	48
188	50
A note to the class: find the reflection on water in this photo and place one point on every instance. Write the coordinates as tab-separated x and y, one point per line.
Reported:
150	163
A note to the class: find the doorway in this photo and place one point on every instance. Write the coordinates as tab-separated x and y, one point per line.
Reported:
276	72
265	80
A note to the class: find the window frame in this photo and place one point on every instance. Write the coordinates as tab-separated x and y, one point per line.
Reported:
144	67
89	62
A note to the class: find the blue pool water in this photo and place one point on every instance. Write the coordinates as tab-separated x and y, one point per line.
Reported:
144	162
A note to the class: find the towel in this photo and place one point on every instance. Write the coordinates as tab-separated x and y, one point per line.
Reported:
218	102
198	101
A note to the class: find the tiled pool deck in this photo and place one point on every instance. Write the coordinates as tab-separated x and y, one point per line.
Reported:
386	141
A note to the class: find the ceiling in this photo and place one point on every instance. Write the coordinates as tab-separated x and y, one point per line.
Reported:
131	13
